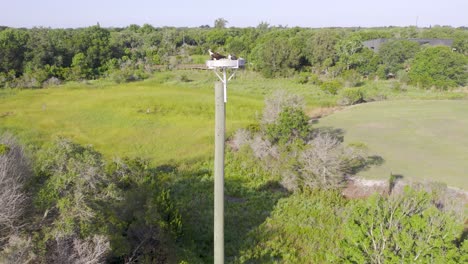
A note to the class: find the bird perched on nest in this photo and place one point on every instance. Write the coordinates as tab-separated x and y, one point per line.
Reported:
232	57
216	55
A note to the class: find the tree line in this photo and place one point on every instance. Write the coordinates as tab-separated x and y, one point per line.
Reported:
43	56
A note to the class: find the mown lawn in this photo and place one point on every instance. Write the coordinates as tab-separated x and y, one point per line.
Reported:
420	140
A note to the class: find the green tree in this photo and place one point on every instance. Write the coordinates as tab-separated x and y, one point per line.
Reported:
79	68
347	48
94	43
220	23
321	46
12	49
291	124
396	52
405	228
276	55
439	67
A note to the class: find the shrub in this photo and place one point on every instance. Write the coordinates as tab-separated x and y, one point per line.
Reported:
326	162
374	93
71	249
303	228
315	79
351	78
241	138
18	250
350	96
291	124
331	87
402	76
404	228
126	70
75	183
184	78
14	173
303	78
275	104
53	81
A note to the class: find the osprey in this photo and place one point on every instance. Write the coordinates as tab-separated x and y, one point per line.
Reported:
232	57
216	55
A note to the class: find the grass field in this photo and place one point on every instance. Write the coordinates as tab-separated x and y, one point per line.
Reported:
420	140
170	118
150	119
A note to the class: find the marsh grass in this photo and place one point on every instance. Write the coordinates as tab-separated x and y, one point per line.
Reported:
163	118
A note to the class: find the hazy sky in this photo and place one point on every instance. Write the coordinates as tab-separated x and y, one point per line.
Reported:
241	13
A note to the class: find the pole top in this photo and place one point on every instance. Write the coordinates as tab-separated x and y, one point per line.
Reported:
225	63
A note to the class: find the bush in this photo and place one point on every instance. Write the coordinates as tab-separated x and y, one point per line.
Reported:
91	205
53	81
14	173
350	96
351	78
403	228
291	124
374	93
325	163
278	101
331	87
303	228
303	78
18	250
75	183
128	71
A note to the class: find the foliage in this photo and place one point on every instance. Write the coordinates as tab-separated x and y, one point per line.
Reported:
331	87
74	184
18	250
291	124
86	53
396	52
325	163
348	48
351	78
15	173
276	55
122	203
277	102
220	23
321	47
12	49
402	228
350	96
439	67
126	70
304	227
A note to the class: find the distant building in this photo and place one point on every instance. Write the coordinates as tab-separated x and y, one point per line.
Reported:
374	44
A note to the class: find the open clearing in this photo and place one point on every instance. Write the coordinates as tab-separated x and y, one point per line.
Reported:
159	122
422	140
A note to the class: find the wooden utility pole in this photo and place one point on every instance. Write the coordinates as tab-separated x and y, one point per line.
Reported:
220	127
220	132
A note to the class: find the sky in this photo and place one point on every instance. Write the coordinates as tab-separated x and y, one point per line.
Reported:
240	13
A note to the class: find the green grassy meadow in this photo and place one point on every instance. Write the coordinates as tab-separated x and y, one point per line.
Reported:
150	119
418	139
170	118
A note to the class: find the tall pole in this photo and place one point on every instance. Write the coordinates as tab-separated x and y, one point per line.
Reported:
220	127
